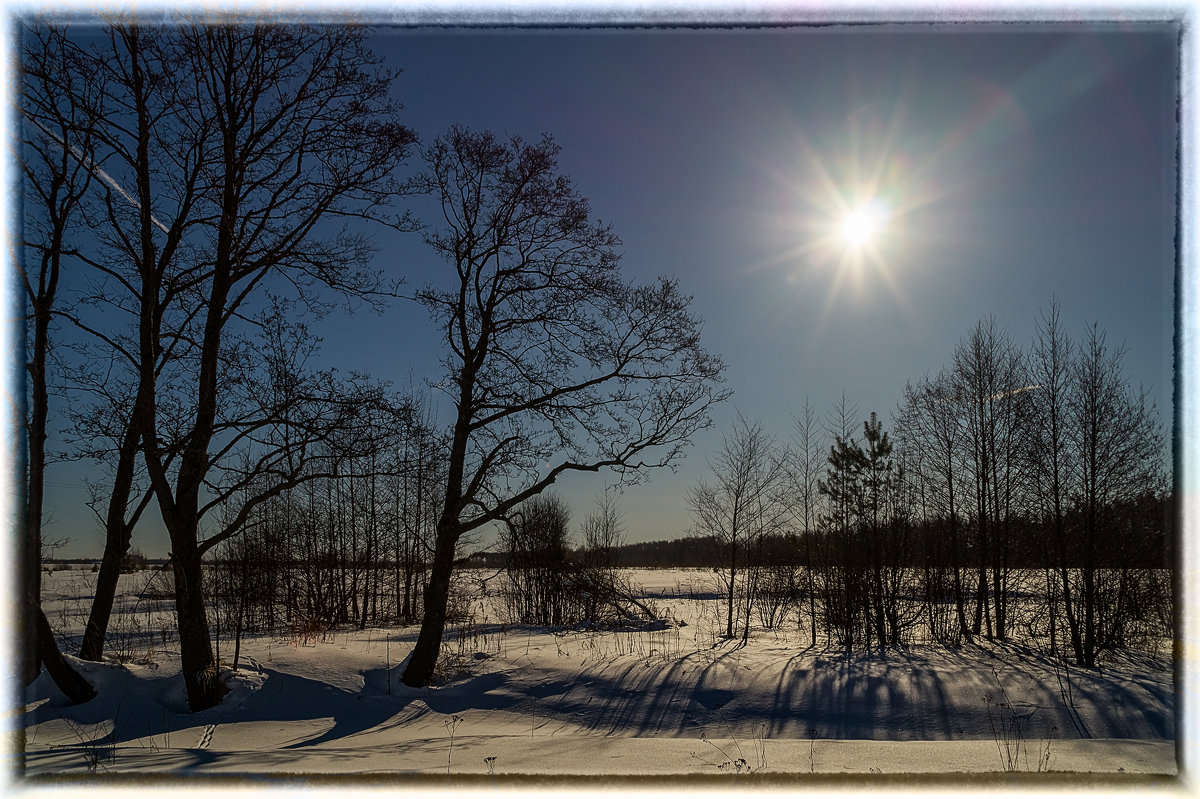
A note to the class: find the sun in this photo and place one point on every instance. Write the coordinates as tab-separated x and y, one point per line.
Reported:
862	224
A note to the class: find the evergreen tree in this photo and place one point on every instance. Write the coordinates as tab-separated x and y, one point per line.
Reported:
844	487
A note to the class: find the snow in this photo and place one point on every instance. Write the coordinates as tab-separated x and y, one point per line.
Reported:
668	699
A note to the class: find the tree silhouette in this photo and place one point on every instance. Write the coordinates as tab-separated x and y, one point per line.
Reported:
233	158
55	138
553	362
743	504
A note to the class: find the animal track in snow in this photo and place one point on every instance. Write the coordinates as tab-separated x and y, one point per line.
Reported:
206	737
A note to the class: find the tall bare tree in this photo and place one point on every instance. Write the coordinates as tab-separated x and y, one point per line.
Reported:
933	428
1051	463
805	459
237	158
553	362
990	384
56	142
745	502
1118	446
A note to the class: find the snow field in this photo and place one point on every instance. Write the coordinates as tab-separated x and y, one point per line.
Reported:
663	698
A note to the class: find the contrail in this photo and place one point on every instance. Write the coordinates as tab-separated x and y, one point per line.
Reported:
1004	394
1001	395
91	167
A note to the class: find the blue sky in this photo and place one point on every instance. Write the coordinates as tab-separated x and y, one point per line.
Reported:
1016	164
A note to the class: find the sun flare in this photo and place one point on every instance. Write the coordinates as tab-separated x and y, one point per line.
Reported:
862	224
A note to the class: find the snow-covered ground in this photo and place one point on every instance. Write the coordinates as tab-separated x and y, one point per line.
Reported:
668	698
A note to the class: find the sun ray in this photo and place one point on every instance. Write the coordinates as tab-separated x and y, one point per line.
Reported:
856	203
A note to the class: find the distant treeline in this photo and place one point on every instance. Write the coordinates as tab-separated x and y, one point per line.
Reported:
1154	526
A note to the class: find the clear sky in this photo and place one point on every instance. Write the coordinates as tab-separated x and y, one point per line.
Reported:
1012	164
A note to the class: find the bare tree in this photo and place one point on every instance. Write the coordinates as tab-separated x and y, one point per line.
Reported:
535	540
603	530
603	535
102	431
805	461
230	153
54	148
744	502
1051	463
554	363
990	384
932	430
108	92
419	470
1117	440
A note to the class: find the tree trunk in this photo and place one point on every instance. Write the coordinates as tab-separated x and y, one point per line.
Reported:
201	674
102	602
243	591
423	661
732	575
30	582
118	533
35	628
35	465
812	589
959	598
69	681
1051	608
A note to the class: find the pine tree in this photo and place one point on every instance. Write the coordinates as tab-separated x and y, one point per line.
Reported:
845	489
